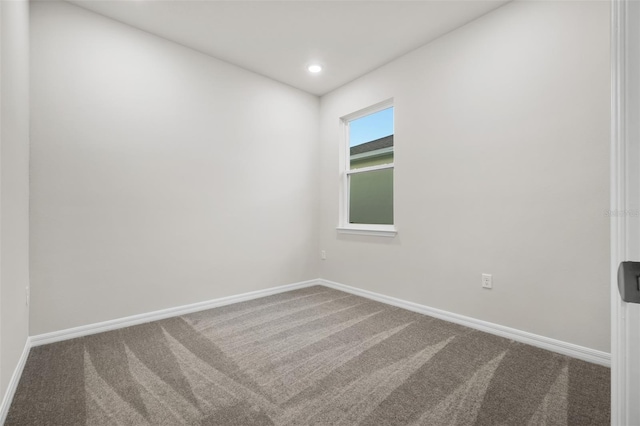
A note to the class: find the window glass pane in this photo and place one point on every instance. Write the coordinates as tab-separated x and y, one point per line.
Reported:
371	139
371	197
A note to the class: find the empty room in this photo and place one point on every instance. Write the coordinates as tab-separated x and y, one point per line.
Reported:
319	212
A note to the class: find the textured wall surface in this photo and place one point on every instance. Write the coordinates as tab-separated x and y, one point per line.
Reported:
501	167
160	176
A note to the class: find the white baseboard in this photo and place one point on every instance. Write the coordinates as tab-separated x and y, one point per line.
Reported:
13	383
564	348
85	330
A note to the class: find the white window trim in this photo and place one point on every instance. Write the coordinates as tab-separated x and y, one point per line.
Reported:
368	229
369	169
344	226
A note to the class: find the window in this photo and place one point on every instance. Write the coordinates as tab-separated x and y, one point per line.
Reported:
367	177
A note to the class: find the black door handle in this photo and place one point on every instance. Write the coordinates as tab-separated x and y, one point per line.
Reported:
629	281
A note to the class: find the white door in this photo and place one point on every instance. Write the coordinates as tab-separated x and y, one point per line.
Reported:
625	206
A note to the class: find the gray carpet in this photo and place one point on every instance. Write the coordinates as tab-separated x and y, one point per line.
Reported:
314	356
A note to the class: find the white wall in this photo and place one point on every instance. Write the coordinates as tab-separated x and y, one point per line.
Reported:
502	153
14	184
160	176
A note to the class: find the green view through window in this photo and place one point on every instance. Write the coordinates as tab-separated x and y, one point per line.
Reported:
370	168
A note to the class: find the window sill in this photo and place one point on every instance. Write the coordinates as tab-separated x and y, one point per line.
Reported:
371	230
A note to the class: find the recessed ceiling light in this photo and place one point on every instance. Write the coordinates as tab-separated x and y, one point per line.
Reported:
314	68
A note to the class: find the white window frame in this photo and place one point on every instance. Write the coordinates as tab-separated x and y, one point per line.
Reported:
344	227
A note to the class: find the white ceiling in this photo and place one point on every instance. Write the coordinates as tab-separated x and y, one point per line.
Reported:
279	39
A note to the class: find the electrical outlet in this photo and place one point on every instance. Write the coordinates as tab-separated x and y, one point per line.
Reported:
28	294
487	281
323	255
